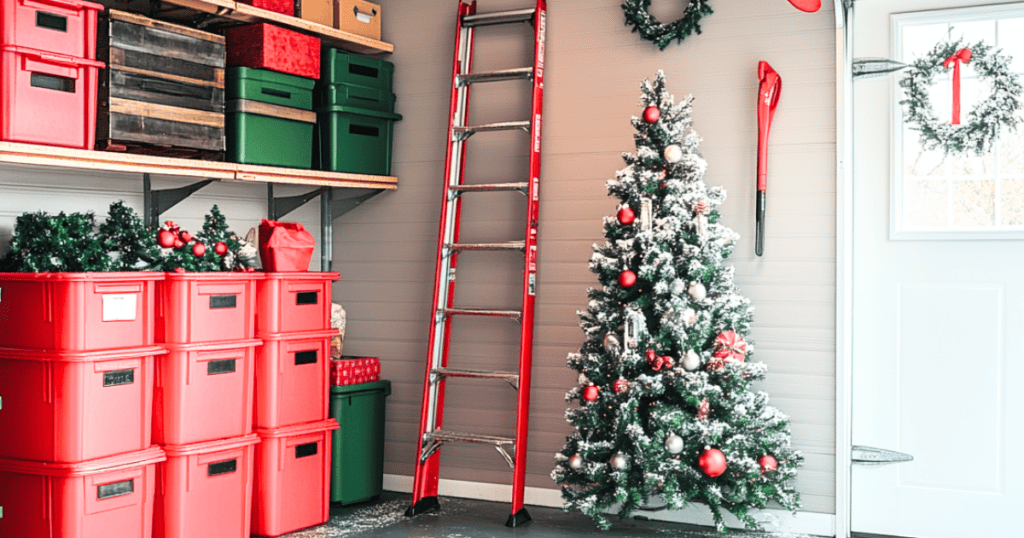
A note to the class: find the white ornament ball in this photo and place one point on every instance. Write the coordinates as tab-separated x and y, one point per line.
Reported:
691	361
697	291
673	153
618	461
611	343
674	444
689	317
575	462
678	287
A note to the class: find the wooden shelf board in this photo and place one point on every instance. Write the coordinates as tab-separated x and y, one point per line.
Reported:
52	156
241	12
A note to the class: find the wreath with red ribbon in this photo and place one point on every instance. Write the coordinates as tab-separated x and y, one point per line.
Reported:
984	121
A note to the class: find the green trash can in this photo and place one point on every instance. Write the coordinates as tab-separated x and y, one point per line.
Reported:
357	463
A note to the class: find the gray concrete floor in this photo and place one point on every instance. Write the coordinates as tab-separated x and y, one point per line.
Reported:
462	518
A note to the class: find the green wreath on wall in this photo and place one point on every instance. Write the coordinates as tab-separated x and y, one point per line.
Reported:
639	17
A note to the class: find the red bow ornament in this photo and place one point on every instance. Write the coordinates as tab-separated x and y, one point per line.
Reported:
961	56
729	347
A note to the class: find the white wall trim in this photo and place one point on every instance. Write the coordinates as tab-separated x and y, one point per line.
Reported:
773	520
844	272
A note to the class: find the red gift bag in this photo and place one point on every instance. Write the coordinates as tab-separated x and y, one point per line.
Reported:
285	246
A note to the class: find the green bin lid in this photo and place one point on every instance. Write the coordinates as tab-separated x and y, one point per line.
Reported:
360	112
266	75
375	386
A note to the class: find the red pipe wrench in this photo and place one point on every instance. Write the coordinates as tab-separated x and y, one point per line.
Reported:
767	101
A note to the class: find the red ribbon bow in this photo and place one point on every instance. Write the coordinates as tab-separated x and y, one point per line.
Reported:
961	56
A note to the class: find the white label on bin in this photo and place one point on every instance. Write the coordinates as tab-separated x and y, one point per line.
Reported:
119	307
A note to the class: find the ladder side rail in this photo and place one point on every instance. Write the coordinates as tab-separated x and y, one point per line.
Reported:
530	271
427	472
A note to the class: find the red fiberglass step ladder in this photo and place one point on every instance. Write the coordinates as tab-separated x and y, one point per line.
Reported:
432	436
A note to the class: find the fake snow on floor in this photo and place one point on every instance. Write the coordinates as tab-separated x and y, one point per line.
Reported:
362	522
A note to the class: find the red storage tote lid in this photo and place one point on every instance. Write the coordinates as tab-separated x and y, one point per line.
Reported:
220	445
80	277
212	346
214	275
303	275
325	334
56	355
317	426
69	61
66	470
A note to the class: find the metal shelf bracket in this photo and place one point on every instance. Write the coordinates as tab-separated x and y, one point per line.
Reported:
157	202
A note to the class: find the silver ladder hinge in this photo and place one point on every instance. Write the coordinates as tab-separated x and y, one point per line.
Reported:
866	455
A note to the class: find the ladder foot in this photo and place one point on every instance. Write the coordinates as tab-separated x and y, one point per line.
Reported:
424	506
519	518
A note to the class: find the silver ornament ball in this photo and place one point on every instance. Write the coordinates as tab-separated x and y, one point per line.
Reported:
691	361
678	287
673	153
674	444
697	291
575	462
619	462
611	343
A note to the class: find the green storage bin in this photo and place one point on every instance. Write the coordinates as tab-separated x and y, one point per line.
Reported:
271	87
357	448
356	96
339	67
356	140
262	133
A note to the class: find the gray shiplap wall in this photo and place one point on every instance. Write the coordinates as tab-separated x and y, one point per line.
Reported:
385	249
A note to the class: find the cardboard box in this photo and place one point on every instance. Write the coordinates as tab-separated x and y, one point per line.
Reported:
359	17
318	11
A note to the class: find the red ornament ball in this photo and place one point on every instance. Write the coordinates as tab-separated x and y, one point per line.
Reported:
626	216
627	279
221	248
186	237
199	250
768	463
165	238
590	393
178	243
651	114
712	462
650	355
621	386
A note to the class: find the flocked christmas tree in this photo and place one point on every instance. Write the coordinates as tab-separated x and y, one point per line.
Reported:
666	405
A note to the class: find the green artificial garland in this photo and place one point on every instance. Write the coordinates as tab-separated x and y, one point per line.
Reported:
981	126
639	17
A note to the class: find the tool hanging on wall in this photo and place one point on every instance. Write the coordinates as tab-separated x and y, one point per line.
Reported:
431	435
767	100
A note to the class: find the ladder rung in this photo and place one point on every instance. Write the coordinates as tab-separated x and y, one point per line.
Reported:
492	187
493	313
499	17
445	436
514	245
495	76
477	374
461	133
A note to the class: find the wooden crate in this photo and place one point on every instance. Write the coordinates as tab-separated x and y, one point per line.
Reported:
163	89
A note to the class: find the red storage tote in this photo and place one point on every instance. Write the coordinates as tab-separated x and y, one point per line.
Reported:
73	406
265	46
48	98
284	7
205	490
65	27
293	302
291	378
293	478
77	311
204	392
105	498
193	308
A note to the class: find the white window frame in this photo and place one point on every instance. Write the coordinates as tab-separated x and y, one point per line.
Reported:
898	23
